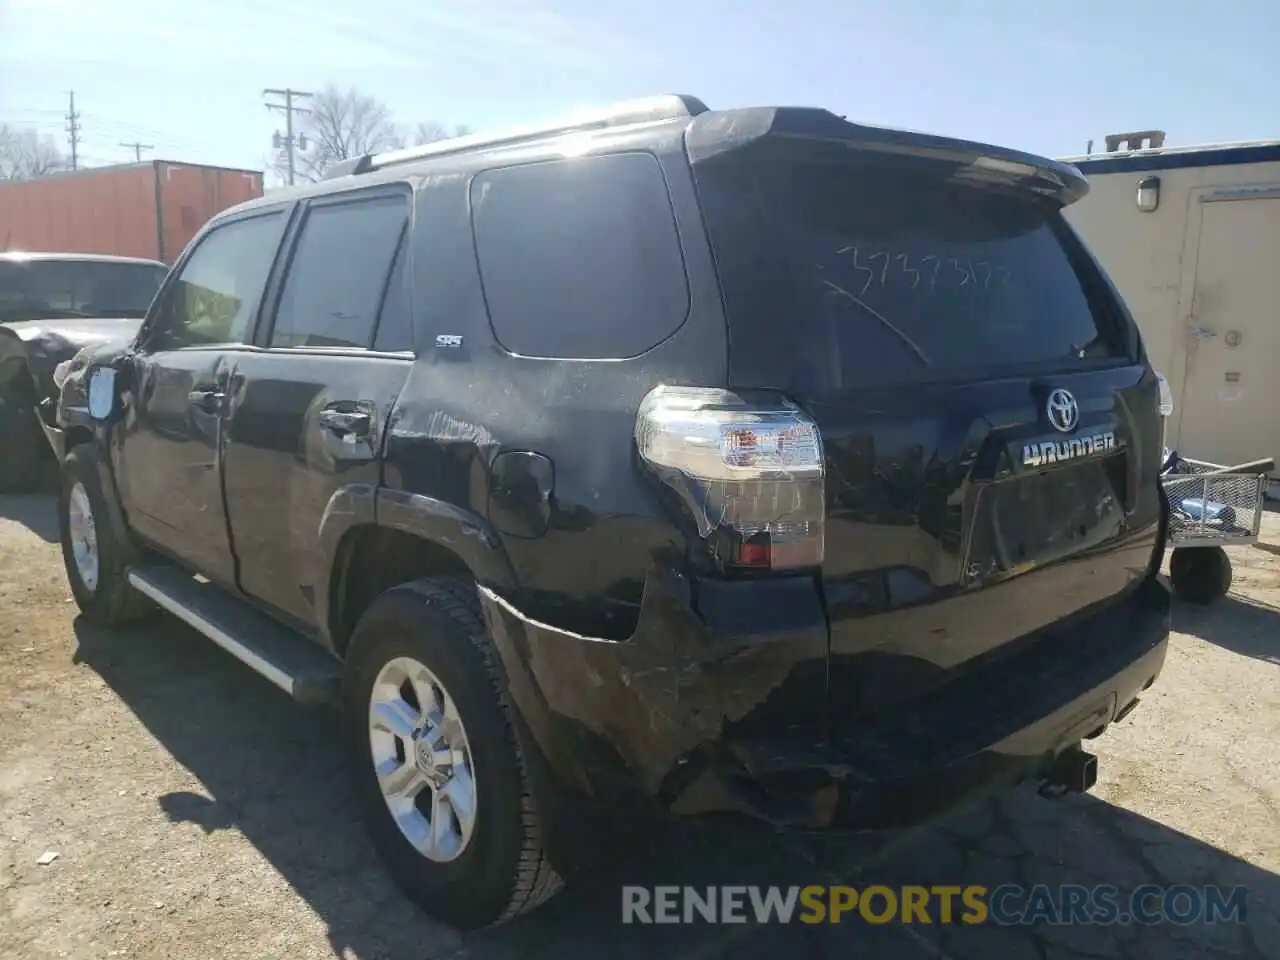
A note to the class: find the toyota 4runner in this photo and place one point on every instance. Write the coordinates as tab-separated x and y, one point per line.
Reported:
670	461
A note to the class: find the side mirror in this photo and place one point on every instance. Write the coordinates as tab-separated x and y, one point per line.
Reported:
102	392
105	387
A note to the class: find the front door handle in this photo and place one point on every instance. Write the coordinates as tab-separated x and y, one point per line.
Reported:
352	423
207	401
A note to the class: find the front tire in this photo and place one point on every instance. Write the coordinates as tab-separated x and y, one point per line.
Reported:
95	552
439	773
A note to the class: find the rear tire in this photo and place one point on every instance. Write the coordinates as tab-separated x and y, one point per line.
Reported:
95	552
430	636
1200	574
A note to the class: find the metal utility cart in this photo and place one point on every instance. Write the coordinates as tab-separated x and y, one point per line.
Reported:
1210	507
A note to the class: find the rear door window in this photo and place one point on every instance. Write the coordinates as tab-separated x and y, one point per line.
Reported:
339	273
580	258
875	273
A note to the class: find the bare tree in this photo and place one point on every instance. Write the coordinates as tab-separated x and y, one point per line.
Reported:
341	124
25	154
431	131
344	124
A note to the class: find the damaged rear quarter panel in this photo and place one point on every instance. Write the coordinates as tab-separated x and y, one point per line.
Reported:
641	707
610	663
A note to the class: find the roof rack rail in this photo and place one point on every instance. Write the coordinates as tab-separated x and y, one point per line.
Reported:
349	166
624	113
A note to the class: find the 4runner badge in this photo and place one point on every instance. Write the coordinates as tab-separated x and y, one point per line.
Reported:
1056	451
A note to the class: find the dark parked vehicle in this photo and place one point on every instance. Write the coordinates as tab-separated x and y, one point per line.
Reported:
52	305
671	462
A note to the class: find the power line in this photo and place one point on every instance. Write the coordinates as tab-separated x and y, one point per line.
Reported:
104	127
109	118
73	130
33	112
125	128
288	109
137	149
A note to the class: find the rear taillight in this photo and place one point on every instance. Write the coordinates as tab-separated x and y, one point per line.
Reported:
749	473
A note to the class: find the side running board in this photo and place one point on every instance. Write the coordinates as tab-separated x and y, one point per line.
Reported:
291	661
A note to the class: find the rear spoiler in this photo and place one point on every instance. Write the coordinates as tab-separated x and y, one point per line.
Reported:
717	132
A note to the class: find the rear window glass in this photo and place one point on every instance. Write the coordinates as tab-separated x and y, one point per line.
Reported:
338	276
579	258
53	289
874	273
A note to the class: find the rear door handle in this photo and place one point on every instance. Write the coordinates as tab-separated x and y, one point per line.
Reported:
208	401
346	422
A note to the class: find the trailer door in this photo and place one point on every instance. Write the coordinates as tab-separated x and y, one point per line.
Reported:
1229	394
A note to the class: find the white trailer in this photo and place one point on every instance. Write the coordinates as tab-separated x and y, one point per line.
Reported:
1191	237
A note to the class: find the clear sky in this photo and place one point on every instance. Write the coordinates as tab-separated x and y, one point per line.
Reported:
188	75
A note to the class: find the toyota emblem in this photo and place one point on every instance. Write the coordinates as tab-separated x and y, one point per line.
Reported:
1062	410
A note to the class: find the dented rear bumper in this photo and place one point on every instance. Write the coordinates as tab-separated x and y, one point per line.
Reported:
716	706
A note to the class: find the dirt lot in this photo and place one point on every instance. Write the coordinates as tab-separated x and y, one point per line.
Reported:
197	813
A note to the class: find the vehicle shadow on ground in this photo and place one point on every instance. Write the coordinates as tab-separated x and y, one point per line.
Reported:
1236	623
37	512
274	773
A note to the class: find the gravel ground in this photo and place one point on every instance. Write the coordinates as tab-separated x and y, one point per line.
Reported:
196	812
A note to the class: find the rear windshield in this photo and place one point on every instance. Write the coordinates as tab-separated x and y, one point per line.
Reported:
56	289
579	258
862	272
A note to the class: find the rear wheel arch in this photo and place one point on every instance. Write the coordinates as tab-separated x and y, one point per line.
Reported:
389	537
370	560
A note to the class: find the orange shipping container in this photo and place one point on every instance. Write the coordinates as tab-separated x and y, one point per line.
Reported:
147	210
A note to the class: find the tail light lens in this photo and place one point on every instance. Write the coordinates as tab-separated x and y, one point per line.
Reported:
749	473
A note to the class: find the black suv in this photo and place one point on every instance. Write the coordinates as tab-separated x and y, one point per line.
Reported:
670	461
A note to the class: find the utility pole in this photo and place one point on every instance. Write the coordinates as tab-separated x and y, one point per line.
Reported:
288	142
137	149
73	130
